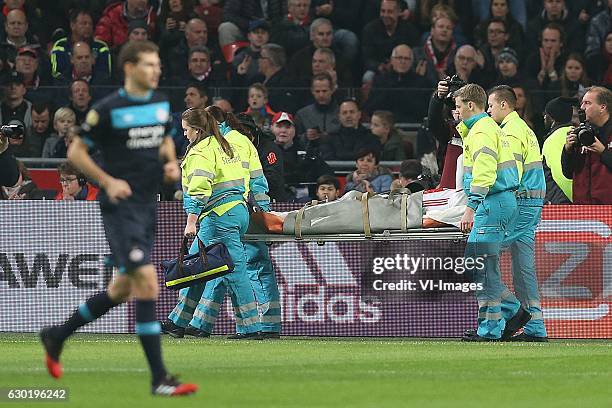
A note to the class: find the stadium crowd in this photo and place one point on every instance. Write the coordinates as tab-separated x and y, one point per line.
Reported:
326	80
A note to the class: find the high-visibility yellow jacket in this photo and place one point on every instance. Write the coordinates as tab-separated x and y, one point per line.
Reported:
209	173
528	158
552	149
489	164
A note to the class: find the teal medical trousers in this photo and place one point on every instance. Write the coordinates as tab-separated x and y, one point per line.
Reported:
199	305
263	281
521	240
492	220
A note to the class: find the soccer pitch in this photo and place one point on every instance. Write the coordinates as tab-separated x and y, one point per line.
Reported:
110	371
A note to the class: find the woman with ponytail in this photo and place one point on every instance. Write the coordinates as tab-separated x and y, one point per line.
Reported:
215	178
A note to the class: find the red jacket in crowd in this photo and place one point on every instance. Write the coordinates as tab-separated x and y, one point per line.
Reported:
113	25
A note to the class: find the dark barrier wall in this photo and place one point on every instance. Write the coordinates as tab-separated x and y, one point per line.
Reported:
52	258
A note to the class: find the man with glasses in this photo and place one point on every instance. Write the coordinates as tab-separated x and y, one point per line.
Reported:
497	40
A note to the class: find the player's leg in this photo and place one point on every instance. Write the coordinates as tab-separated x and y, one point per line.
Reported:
145	290
53	337
263	281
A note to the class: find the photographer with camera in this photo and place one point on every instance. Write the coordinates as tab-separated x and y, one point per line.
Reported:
9	172
442	122
587	155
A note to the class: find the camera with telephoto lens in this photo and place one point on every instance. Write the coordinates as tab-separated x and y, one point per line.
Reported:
453	83
12	130
585	132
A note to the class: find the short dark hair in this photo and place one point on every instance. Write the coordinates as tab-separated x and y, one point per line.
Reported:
130	53
554	26
498	20
74	81
504	93
198	87
324	76
40	107
199	48
327	179
364	151
353	100
410	168
76	12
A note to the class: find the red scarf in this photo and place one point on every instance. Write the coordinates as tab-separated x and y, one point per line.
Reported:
431	54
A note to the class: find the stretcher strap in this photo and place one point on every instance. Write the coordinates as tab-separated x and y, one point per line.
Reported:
404	212
300	216
365	212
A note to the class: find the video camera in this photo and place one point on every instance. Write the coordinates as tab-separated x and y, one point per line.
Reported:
585	132
13	130
453	83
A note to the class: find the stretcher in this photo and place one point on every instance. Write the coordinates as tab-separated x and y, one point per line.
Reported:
444	233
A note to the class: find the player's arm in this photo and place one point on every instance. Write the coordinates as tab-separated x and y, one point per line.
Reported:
116	189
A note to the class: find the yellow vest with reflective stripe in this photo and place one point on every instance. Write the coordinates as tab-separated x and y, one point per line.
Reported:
552	149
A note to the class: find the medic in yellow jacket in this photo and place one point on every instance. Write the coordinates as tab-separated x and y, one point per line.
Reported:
488	159
209	175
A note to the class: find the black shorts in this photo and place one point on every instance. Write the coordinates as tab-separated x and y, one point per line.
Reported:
130	231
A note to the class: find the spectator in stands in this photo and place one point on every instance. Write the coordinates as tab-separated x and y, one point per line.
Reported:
246	61
328	188
40	130
499	9
224	104
80	99
555	11
438	50
112	28
74	185
409	171
444	10
324	62
525	107
292	33
15	35
590	167
25	189
258	107
351	137
81	31
27	64
346	42
195	97
172	19
507	73
519	10
302	164
175	55
200	70
369	176
321	36
315	122
465	65
388	88
604	67
273	75
557	120
238	13
14	106
599	28
83	67
574	78
497	40
380	36
395	147
56	146
547	62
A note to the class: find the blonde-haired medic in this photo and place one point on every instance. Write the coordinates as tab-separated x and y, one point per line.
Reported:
490	179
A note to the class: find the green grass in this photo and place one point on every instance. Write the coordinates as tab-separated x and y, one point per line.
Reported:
110	371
